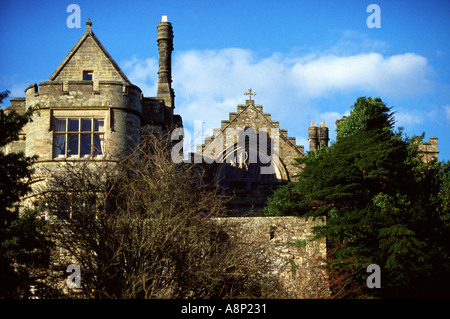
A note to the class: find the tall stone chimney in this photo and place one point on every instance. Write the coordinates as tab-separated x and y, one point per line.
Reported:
323	135
313	136
165	48
318	136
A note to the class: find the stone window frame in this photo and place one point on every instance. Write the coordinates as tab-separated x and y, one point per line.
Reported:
94	80
87	71
92	115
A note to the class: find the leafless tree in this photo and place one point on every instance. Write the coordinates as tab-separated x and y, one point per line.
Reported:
142	228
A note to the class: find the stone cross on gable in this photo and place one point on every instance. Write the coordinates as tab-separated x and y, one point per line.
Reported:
249	93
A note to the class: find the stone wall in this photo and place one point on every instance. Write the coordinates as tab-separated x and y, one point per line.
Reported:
88	55
286	244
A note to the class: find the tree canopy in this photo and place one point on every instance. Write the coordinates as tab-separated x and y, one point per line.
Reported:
15	168
383	205
140	228
23	246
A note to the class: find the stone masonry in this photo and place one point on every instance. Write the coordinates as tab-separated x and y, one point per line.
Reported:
429	150
88	104
88	110
239	174
287	246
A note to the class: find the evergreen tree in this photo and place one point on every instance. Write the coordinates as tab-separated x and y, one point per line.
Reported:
23	247
383	205
15	168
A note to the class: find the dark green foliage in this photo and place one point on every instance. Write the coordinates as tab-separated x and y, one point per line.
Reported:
23	247
383	205
24	255
367	114
15	168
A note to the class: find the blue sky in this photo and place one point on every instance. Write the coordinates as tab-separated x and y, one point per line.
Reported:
306	60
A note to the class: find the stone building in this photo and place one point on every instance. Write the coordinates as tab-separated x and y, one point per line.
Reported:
250	156
318	136
89	110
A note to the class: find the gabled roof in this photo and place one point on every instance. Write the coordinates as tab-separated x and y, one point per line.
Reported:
264	117
88	34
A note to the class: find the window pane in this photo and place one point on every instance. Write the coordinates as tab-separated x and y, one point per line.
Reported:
87	75
85	144
73	145
99	126
99	144
73	125
60	125
59	145
86	125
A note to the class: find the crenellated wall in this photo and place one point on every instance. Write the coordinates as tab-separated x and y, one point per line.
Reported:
117	103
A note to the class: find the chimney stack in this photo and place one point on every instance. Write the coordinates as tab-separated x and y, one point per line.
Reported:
318	136
313	136
323	135
165	48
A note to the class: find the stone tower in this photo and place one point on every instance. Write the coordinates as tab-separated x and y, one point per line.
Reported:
89	110
86	109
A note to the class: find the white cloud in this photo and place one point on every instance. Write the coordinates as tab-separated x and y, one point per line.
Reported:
426	115
210	83
18	90
143	73
447	112
330	118
404	118
370	72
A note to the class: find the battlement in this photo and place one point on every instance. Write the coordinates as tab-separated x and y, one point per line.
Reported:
18	104
79	94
